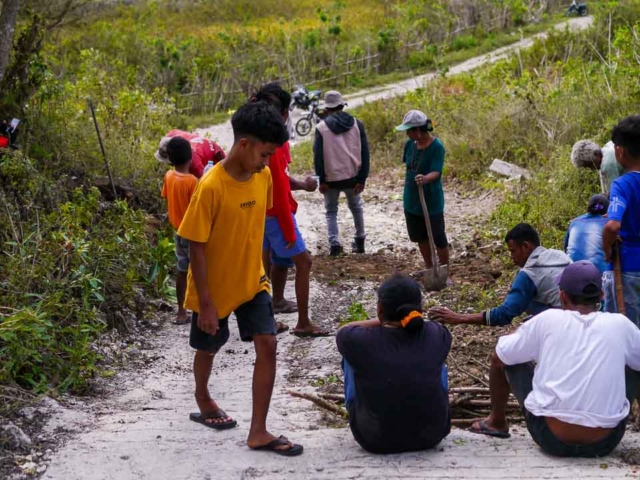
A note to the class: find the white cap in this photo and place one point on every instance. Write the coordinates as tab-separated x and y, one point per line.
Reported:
413	119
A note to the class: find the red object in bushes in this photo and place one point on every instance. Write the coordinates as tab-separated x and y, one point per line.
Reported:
4	142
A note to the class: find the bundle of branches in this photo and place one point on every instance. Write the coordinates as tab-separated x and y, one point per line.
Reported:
469	402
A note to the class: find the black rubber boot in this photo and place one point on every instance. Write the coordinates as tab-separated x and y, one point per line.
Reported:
336	250
358	245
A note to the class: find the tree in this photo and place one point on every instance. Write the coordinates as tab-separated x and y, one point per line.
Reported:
20	68
8	17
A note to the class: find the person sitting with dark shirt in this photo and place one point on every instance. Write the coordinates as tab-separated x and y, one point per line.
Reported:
395	377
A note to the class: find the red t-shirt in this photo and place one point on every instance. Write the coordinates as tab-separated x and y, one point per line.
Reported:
202	150
283	203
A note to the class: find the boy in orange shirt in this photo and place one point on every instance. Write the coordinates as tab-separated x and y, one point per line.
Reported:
178	187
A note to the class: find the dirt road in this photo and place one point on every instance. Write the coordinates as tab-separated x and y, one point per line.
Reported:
223	134
143	430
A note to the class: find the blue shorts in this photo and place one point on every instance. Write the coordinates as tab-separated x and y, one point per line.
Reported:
274	240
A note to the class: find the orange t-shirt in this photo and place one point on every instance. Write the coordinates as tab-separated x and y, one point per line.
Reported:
178	188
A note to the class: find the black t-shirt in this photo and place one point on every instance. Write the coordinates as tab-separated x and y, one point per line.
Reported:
401	404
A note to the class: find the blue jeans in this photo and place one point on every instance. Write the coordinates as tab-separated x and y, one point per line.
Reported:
350	382
631	290
331	197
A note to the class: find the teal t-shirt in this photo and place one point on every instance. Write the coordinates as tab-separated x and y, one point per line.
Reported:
430	159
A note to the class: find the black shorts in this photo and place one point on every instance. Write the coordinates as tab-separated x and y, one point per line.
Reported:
417	229
254	318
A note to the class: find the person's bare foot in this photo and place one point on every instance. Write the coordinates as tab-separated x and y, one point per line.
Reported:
285	306
182	318
208	407
262	441
310	330
490	427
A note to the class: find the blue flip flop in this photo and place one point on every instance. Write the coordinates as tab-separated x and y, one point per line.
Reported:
484	430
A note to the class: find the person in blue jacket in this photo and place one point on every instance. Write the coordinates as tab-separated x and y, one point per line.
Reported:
583	240
534	289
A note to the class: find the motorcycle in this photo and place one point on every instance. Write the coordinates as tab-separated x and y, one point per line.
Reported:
577	10
315	116
303	99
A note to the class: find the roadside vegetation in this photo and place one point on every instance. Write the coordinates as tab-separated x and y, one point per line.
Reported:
528	110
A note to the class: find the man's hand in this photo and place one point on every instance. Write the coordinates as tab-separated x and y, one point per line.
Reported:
208	320
359	188
310	184
290	245
444	315
323	188
420	179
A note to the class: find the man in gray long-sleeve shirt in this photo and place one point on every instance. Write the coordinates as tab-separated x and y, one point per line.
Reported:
341	160
534	289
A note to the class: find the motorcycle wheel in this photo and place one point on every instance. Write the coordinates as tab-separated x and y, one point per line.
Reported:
303	126
584	13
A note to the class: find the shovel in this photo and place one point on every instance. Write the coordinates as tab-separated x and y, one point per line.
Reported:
434	278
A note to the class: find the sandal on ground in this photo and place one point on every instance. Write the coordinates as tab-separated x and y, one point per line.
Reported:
287	307
293	450
203	417
281	327
182	322
314	334
483	429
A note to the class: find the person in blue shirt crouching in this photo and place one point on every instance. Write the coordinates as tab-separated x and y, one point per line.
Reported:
583	240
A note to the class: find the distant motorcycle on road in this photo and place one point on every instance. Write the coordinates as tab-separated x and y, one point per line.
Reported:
304	99
577	10
306	123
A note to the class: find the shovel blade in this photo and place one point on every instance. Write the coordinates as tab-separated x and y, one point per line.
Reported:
435	279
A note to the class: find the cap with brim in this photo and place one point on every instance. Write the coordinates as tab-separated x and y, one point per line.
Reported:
161	153
333	99
413	119
581	279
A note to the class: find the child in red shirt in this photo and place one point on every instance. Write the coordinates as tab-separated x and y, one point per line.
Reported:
283	243
178	187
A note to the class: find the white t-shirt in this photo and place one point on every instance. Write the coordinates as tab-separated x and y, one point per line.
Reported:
579	377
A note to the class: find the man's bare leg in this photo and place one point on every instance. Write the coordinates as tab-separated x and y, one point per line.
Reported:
181	288
264	376
425	250
278	276
202	365
303	264
499	390
443	255
279	281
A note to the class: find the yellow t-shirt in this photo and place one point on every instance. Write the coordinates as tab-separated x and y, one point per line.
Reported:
229	217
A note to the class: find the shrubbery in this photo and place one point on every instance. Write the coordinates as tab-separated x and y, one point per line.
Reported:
213	47
529	110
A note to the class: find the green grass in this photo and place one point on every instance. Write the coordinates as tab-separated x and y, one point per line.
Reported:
442	61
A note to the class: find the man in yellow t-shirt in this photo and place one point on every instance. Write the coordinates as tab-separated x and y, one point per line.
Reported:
225	227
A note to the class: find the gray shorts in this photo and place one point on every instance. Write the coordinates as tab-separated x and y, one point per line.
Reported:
254	318
182	253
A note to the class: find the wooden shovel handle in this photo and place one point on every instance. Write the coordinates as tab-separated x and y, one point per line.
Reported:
427	220
617	278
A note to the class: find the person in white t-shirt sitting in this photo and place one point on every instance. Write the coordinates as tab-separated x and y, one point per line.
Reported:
575	398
